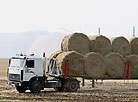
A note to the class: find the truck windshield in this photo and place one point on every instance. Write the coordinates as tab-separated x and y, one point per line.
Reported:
16	63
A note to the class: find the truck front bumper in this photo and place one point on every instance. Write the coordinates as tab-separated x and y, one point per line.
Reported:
14	83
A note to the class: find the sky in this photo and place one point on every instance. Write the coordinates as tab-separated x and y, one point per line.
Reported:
23	22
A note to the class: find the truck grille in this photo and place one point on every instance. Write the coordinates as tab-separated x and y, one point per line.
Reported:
14	77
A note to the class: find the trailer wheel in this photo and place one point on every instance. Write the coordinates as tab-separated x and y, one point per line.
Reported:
20	89
73	86
59	88
35	86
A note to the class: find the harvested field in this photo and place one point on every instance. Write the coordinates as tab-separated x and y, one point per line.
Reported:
117	91
100	44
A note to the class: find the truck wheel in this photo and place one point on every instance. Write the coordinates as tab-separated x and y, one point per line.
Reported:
73	86
35	86
20	89
59	88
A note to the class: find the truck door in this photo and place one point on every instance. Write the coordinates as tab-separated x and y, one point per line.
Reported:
29	70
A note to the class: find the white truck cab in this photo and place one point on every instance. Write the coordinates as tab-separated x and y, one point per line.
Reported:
23	68
28	72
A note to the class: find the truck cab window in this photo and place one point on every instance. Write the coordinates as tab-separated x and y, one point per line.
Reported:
29	63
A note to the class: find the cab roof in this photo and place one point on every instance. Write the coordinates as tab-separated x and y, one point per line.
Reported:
27	57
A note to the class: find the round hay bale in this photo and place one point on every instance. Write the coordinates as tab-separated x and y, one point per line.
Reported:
94	65
64	43
75	63
54	55
76	42
115	65
121	45
134	45
100	44
134	65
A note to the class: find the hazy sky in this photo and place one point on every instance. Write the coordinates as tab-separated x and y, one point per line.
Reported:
113	16
25	17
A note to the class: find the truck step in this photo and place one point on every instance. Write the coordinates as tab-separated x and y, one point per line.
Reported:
52	83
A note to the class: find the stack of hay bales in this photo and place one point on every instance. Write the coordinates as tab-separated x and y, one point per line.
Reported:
115	61
73	47
115	52
97	56
133	58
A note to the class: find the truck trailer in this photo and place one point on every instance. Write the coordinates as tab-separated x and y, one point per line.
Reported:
27	72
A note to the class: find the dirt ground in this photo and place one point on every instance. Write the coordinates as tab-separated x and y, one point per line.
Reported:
109	91
106	92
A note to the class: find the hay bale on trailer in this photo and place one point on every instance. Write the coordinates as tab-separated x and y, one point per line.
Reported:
100	44
78	42
134	45
75	63
134	65
94	65
115	65
54	55
121	45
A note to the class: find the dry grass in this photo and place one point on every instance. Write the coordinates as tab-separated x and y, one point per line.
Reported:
3	68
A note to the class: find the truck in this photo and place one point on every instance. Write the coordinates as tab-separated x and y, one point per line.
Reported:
28	72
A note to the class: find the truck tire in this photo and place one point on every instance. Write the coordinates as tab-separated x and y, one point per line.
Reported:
73	86
59	89
20	89
35	86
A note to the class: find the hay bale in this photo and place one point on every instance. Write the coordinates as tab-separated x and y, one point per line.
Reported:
134	65
94	65
76	42
114	65
75	63
100	44
121	45
54	55
64	43
134	45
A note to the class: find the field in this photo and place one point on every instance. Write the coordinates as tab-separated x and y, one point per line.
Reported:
3	68
110	90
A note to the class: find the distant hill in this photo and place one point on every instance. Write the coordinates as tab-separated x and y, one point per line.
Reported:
46	43
12	43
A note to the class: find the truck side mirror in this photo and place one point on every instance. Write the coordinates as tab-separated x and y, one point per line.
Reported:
44	55
9	62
